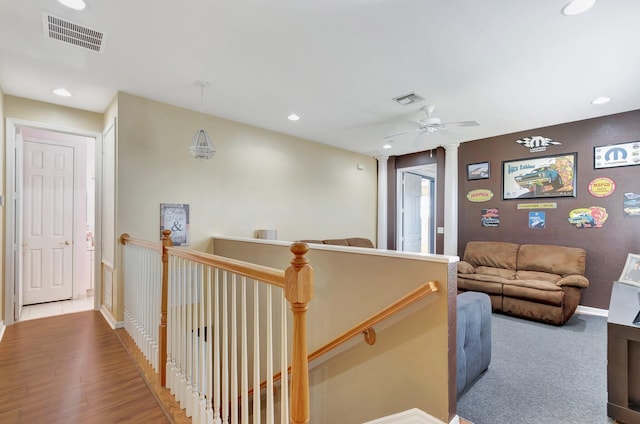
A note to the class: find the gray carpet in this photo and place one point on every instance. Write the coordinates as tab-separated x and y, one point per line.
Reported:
542	374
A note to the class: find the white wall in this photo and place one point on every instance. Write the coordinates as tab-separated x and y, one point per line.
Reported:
257	179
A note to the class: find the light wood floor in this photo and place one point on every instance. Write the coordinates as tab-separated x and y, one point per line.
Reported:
71	369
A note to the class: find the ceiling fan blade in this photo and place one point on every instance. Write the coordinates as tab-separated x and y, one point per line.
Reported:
399	134
461	124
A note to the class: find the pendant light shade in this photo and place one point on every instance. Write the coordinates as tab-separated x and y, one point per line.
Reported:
201	146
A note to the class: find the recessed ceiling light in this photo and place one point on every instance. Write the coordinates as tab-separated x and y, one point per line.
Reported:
62	92
73	4
293	117
575	7
600	100
386	146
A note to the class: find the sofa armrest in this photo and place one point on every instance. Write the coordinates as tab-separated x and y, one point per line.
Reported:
574	280
465	268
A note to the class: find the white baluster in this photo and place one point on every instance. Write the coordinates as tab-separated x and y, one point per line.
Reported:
244	357
216	355
284	362
225	353
234	353
256	354
269	392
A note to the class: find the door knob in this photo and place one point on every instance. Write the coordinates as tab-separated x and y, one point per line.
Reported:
66	243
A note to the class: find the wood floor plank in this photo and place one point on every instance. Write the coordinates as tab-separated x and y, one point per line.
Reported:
71	369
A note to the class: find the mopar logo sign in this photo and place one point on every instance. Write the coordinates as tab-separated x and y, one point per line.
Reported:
623	154
537	143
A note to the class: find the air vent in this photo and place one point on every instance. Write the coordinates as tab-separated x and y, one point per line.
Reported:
71	33
408	99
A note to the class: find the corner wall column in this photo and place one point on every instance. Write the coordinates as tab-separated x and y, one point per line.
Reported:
451	199
382	202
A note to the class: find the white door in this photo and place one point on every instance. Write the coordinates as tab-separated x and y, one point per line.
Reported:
411	221
48	222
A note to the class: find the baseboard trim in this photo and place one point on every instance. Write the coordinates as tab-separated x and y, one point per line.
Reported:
411	416
113	323
2	328
588	310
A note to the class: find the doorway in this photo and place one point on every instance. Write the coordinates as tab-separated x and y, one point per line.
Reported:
50	219
416	209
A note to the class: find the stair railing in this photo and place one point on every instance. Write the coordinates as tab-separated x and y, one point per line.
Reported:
226	324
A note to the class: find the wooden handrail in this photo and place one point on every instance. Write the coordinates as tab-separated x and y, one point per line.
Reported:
397	306
126	239
402	303
257	272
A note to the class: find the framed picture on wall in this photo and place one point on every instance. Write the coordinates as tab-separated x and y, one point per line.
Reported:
478	171
539	177
631	272
175	217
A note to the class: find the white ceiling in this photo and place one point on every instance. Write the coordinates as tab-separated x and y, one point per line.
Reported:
511	65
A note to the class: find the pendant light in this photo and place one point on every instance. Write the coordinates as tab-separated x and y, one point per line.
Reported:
201	146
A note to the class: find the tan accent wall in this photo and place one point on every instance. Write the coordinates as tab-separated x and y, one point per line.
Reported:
408	367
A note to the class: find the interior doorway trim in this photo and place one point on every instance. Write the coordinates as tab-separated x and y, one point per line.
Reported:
12	209
429	171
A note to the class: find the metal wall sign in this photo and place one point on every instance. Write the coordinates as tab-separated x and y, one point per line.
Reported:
614	155
537	143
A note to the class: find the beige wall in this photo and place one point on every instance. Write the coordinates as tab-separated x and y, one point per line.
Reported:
409	365
257	179
54	115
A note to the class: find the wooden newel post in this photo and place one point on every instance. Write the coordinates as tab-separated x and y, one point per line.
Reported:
299	291
162	351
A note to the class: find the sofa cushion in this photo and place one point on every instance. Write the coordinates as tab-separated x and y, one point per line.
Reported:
359	242
336	242
494	254
534	290
552	259
537	275
509	274
465	268
480	283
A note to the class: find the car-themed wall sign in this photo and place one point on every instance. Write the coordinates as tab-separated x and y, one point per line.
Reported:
480	195
537	143
546	176
490	217
631	205
601	187
623	154
592	217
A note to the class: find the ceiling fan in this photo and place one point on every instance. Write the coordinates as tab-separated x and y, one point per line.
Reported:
431	124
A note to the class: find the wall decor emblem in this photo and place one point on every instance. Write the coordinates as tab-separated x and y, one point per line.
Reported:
631	205
602	187
537	220
592	217
480	195
537	143
490	217
623	154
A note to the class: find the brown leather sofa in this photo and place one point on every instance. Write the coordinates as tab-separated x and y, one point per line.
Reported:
352	241
533	281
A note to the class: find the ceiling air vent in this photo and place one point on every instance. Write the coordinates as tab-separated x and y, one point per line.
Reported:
408	99
71	33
